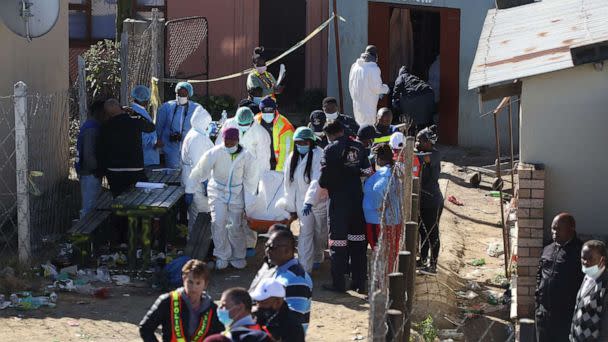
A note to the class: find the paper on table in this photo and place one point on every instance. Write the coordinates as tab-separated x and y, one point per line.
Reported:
148	185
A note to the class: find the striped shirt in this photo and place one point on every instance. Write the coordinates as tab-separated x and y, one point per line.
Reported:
298	289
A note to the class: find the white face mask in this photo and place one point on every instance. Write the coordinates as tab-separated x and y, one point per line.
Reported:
181	100
232	149
268	117
261	69
331	116
319	134
592	271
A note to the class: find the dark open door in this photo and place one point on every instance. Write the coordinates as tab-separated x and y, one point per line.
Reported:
378	34
450	80
282	24
449	48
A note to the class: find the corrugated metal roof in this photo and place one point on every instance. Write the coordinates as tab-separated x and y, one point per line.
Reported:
536	38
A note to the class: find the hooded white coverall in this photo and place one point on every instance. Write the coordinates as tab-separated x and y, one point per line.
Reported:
313	227
255	140
231	187
365	86
196	144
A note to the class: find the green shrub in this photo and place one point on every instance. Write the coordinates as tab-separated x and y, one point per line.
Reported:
427	329
216	104
102	62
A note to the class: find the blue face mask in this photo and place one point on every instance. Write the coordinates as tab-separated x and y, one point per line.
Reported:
223	316
303	149
592	271
257	100
268	117
232	149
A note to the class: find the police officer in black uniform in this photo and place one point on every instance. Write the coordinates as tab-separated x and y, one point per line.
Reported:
343	163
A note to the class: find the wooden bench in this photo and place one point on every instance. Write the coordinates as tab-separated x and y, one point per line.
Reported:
82	230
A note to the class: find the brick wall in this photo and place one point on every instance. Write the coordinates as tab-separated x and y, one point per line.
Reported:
530	199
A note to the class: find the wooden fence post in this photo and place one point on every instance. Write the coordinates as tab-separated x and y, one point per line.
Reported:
395	325
82	90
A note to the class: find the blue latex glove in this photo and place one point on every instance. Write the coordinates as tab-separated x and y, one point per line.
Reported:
205	183
307	209
189	198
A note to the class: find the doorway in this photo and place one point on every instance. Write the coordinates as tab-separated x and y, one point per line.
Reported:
427	41
282	24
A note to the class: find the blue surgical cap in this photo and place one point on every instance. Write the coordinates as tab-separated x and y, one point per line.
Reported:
140	93
186	86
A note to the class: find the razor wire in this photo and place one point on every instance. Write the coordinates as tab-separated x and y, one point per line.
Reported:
385	255
184	37
139	65
8	191
53	197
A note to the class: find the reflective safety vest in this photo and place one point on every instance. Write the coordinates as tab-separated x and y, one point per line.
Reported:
416	167
282	138
384	139
177	327
415	162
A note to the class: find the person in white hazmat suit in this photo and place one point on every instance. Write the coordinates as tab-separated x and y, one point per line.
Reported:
231	173
306	198
195	145
255	139
366	87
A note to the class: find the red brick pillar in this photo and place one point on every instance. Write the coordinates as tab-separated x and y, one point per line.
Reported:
531	194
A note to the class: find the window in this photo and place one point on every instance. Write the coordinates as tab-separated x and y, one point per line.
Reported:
94	20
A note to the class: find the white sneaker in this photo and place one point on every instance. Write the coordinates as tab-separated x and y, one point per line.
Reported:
221	264
239	264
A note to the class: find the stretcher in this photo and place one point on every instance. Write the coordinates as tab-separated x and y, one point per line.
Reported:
261	226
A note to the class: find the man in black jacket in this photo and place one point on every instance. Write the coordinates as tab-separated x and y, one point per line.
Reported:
344	162
558	280
120	152
413	100
187	313
274	313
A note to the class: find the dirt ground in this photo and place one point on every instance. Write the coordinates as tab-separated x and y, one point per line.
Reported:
466	232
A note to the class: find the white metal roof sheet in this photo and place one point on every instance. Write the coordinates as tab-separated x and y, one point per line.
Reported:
536	38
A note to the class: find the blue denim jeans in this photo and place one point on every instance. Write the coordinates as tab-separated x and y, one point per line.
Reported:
90	186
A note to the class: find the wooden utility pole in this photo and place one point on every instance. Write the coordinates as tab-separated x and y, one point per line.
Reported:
338	63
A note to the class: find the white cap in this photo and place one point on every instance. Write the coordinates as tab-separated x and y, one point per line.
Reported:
267	288
397	141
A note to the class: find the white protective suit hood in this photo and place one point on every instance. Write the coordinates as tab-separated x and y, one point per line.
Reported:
200	120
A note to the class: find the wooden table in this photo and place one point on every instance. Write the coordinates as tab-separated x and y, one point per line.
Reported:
143	205
169	177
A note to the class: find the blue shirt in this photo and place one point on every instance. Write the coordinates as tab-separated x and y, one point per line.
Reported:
298	289
172	119
374	189
148	140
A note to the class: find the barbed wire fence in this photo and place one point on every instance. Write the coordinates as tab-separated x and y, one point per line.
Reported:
38	199
389	315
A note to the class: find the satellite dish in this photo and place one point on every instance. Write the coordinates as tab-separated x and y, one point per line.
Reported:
29	18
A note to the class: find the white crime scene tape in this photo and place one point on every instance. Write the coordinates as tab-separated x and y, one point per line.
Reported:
274	60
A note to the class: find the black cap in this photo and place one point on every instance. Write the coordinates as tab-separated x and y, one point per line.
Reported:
317	120
366	132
